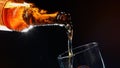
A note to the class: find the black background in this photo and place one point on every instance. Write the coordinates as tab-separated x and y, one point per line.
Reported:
93	20
37	48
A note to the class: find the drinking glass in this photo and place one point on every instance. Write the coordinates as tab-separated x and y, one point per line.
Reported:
84	56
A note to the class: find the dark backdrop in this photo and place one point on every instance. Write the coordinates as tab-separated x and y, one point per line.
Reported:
37	48
93	20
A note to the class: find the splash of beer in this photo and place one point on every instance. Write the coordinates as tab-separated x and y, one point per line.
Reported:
18	16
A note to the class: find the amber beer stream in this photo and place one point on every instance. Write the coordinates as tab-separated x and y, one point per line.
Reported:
20	16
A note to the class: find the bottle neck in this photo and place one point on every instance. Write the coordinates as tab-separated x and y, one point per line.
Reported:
35	16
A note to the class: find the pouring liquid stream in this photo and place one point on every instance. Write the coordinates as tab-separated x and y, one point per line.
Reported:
70	36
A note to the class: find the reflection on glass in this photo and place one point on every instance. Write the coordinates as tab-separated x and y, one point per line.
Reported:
85	56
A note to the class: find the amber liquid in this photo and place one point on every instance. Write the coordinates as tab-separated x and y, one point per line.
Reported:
12	19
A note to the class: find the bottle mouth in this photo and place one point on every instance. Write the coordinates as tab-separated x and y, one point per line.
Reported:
64	17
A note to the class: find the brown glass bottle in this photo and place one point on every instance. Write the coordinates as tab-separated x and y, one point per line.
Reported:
19	16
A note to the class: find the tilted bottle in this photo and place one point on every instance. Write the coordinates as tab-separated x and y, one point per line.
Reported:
19	16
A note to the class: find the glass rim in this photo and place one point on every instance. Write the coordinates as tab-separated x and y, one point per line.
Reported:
95	44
